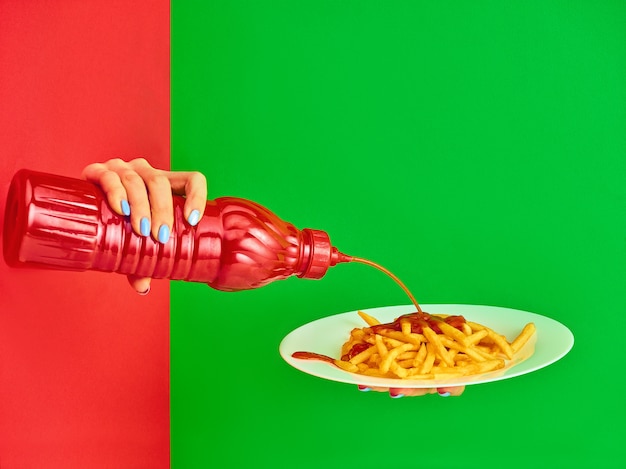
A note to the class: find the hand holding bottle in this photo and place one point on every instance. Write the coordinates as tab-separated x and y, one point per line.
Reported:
136	189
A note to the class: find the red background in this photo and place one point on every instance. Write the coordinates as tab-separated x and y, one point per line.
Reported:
84	360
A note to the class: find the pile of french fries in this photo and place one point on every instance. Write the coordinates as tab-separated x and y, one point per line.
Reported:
449	353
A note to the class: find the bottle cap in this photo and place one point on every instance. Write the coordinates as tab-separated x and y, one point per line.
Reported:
317	253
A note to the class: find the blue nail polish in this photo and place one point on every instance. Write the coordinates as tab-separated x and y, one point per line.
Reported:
125	207
164	233
144	227
444	394
194	217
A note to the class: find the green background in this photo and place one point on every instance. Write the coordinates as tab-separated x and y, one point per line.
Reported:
477	150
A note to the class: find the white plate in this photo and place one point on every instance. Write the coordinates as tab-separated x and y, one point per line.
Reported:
325	336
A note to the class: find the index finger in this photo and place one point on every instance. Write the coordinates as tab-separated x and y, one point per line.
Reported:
111	184
193	185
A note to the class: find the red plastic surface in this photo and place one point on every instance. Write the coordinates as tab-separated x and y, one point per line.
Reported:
84	360
59	222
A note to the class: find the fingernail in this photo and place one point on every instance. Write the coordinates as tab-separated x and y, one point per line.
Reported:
125	207
144	226
444	394
164	234
393	395
364	388
144	293
194	217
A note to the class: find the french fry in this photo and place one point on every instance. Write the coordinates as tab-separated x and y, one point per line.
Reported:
385	365
420	356
501	342
407	355
452	332
407	363
523	337
471	352
364	355
380	344
347	366
476	337
398	370
429	361
416	339
370	320
439	348
406	327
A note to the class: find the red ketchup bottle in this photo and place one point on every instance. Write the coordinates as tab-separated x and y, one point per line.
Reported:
65	223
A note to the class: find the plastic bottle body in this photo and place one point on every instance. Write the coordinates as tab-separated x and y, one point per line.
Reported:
65	223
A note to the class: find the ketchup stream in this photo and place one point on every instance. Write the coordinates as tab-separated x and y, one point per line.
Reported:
390	274
418	319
